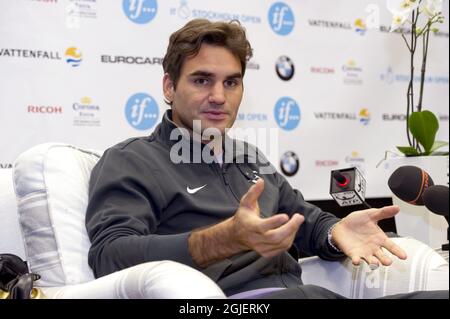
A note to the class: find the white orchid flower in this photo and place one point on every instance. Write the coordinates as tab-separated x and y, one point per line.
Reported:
402	6
433	7
401	10
398	20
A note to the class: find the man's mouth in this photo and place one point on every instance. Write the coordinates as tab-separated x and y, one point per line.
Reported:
215	115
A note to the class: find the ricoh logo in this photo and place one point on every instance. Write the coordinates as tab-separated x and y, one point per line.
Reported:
321	70
140	11
287	113
281	18
141	111
44	109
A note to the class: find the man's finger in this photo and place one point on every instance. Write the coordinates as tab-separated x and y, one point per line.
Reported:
394	249
272	222
250	199
275	236
385	260
384	212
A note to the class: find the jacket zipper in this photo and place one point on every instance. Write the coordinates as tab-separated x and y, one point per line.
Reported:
222	171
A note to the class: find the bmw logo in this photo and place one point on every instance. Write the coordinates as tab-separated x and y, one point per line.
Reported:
289	163
285	68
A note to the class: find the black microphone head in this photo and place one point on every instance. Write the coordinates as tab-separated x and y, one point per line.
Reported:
435	199
408	183
340	178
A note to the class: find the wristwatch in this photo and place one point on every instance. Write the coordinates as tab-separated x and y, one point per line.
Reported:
330	239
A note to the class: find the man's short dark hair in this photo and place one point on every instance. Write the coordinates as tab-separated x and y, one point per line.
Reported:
186	42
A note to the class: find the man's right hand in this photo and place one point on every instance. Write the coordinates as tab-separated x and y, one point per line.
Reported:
246	230
267	236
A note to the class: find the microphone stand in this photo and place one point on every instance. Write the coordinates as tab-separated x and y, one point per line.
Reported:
445	246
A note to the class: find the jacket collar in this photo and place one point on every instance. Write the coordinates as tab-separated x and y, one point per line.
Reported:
169	134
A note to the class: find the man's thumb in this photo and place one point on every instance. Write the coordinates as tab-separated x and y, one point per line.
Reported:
250	199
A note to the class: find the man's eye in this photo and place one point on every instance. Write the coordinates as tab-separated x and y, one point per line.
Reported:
201	81
231	83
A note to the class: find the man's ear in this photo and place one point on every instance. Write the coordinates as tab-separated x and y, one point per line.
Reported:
168	88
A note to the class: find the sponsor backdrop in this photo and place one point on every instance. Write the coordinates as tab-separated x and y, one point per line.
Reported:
326	85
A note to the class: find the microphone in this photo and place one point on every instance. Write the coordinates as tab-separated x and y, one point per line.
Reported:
435	199
409	183
348	187
340	178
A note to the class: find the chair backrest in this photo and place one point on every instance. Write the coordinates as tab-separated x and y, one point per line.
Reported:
11	241
51	184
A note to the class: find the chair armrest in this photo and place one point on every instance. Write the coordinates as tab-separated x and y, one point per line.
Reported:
424	269
152	280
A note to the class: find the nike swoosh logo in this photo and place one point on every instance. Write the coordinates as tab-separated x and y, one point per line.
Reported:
194	190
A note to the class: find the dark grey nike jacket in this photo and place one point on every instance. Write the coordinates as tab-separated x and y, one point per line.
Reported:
142	207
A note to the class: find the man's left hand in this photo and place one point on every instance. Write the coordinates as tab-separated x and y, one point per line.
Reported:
359	236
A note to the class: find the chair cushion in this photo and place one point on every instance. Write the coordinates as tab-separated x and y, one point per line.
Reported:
424	269
51	185
10	237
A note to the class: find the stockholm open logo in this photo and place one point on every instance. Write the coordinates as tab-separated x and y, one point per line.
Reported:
281	18
140	11
141	111
287	113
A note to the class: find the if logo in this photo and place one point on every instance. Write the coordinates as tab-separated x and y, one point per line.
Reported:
141	111
140	11
287	113
281	18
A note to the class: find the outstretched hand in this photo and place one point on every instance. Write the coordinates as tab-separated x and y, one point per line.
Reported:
267	236
360	238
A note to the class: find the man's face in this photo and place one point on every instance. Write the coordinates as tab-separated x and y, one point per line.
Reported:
209	89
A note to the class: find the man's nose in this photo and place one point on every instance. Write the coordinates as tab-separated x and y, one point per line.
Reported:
217	94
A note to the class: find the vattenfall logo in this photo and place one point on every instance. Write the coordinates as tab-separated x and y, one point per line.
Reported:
364	116
360	27
285	68
184	11
287	113
140	11
73	56
30	53
141	111
281	18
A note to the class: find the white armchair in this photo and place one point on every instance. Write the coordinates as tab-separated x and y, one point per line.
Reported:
42	205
